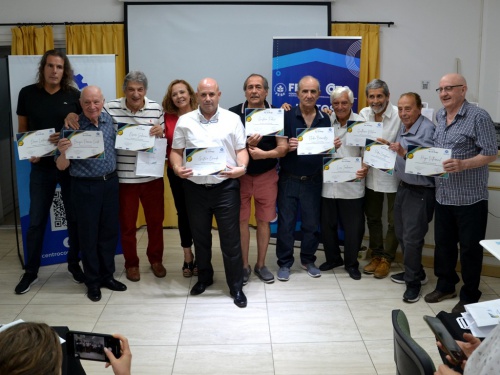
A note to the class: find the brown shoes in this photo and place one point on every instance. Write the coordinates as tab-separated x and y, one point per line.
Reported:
437	296
158	270
372	266
382	269
133	274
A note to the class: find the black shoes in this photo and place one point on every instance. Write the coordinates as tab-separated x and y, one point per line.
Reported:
327	266
27	280
115	285
354	273
239	298
200	287
94	293
76	273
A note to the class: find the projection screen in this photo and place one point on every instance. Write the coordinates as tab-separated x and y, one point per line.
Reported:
225	41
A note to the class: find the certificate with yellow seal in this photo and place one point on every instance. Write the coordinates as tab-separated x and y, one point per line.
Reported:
379	156
205	161
134	137
35	144
341	169
314	141
85	144
264	121
427	161
359	131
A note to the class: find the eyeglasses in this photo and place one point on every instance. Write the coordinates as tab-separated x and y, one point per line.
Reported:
447	88
213	120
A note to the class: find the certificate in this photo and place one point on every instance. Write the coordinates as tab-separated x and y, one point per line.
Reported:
359	131
84	144
313	141
264	121
35	144
134	138
427	161
205	161
341	169
378	155
152	163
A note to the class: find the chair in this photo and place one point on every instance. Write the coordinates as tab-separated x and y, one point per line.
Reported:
410	358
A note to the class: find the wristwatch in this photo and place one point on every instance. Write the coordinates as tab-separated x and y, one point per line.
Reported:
244	167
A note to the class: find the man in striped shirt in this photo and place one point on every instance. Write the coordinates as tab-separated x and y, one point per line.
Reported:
136	108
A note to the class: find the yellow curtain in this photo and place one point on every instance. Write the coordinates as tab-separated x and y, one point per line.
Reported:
99	39
31	40
370	54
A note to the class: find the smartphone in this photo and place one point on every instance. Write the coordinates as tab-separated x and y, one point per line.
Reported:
90	346
449	344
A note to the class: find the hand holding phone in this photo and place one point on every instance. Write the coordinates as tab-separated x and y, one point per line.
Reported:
90	346
449	345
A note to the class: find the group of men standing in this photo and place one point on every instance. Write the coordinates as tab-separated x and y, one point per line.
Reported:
105	189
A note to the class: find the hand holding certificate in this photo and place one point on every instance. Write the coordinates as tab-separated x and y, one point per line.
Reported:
427	161
264	121
341	169
378	155
359	131
84	144
205	161
134	137
35	144
313	141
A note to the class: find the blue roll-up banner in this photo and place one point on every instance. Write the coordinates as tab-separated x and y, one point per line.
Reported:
88	70
334	61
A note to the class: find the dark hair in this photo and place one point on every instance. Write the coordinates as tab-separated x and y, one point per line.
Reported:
377	84
30	349
67	78
168	104
264	80
418	99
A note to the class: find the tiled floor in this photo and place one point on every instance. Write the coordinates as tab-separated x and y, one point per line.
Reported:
329	325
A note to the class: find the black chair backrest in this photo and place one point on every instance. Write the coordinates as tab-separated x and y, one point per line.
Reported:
410	358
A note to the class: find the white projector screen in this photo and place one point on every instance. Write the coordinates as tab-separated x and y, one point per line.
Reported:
225	41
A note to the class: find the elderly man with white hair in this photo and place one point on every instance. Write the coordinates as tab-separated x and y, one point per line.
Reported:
343	200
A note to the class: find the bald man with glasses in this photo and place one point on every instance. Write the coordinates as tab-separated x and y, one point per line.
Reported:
461	210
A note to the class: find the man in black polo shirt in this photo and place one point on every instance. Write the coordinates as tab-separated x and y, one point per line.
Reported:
260	181
300	181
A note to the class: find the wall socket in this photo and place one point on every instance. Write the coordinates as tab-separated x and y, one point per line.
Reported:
425	85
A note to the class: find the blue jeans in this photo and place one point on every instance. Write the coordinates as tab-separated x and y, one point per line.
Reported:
291	191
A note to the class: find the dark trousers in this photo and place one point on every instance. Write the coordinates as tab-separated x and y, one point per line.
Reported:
97	205
43	182
176	185
350	213
413	210
466	226
374	204
291	191
223	201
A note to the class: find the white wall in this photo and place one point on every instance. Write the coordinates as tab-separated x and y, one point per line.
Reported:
425	43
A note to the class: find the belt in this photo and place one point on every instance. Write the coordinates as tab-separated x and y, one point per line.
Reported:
410	186
99	178
301	178
211	186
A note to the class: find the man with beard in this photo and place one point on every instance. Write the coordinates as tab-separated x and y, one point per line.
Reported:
380	185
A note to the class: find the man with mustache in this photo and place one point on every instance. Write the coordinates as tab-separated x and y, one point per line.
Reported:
260	181
380	185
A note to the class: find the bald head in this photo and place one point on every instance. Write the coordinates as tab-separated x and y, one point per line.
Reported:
208	95
452	90
92	101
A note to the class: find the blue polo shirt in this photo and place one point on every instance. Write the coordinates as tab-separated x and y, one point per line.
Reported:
302	165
